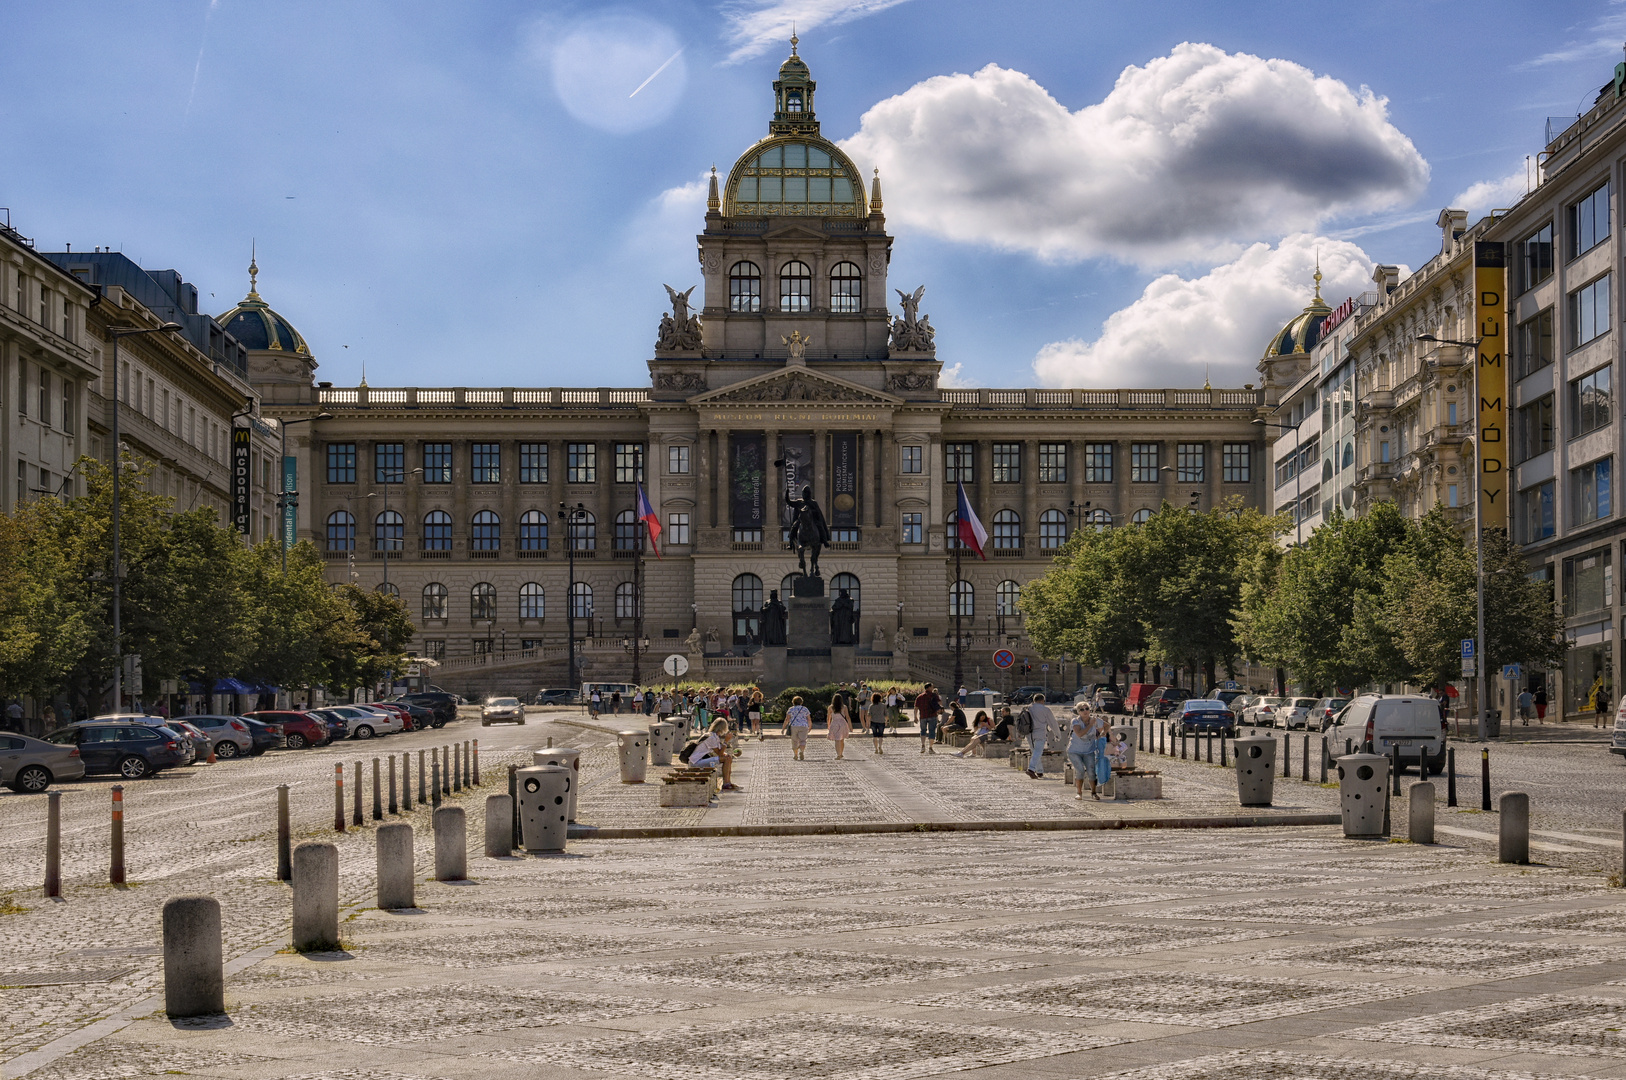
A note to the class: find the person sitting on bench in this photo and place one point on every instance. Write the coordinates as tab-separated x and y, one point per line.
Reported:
712	752
984	731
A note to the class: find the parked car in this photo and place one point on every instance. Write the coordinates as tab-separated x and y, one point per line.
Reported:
1167	701
562	695
129	749
1410	722
417	718
396	709
443	705
338	727
229	734
364	723
1198	716
502	710
1108	701
1227	696
1242	704
1263	712
197	743
32	765
266	736
1139	694
1324	711
299	729
1295	713
1022	695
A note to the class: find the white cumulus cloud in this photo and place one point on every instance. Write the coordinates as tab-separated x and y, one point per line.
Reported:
1487	195
1219	324
1186	159
755	26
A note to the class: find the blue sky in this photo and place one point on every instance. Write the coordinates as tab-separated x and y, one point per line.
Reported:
461	194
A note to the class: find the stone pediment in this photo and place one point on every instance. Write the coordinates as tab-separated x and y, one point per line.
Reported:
799	384
793	232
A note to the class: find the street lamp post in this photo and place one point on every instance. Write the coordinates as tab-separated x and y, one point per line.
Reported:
118	476
286	498
569	515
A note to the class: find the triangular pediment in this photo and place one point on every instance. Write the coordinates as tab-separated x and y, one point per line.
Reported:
793	231
795	384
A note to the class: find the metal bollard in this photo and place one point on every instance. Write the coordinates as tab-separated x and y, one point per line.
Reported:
1211	748
1304	763
395	805
316	897
1484	780
1287	754
355	814
499	826
445	770
1224	760
451	845
422	773
550	742
378	799
1450	776
1394	769
513	803
1420	819
395	869
338	797
285	865
1324	759
194	962
1623	849
1349	747
434	779
457	768
1182	746
53	843
1160	738
115	869
1513	828
406	781
476	762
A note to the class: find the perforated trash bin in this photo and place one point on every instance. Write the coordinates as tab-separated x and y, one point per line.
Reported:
1126	733
660	742
634	756
544	798
1255	770
572	760
1363	783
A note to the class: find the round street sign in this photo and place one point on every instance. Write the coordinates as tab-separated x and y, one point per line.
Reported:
1004	658
675	665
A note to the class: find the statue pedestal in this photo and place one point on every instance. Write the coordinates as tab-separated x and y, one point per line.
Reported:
805	658
808	624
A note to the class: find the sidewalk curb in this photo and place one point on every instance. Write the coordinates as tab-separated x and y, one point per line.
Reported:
663	832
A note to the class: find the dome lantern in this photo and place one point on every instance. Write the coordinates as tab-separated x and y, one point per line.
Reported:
259	328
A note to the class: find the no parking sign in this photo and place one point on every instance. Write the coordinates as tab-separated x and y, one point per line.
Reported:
1004	658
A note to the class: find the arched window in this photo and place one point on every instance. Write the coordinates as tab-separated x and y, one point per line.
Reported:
1052	529
1140	517
846	288
341	531
744	287
533	532
483	602
795	286
1008	530
485	532
1101	519
581	600
531	601
389	530
1006	594
626	601
962	599
627	531
583	531
388	588
437	531
747	604
434	600
850	583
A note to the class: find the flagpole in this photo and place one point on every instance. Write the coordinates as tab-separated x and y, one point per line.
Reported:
638	603
959	609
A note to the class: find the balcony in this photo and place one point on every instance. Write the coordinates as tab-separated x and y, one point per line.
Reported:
528	553
492	553
1009	552
427	553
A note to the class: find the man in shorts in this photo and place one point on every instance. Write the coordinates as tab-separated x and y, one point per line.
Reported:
927	707
798	723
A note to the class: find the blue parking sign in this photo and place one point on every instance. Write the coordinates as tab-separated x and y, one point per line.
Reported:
1467	648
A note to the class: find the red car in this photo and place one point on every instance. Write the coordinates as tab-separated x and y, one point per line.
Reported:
300	729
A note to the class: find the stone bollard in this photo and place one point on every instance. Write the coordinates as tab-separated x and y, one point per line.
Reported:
194	963
499	826
395	869
1420	820
115	869
285	855
451	845
634	755
53	843
316	897
378	798
1513	831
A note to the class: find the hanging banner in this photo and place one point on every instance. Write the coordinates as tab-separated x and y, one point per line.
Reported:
1490	285
290	501
241	514
796	470
844	479
747	475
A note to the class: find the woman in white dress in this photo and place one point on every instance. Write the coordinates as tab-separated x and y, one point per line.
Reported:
840	725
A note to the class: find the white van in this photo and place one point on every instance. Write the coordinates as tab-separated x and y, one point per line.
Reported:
1407	721
987	701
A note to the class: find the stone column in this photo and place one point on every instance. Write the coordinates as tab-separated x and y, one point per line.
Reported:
508	504
886	499
936	486
1030	497
410	489
725	503
1075	474
702	484
460	498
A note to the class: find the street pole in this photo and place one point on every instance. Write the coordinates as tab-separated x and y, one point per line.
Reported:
959	611
286	498
570	593
638	603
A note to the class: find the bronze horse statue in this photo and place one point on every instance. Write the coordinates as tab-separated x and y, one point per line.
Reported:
808	531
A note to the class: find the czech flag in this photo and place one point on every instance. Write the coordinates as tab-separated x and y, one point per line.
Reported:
970	530
647	515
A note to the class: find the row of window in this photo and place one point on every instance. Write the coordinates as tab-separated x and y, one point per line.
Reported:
1591	498
165	406
40	382
1587	224
1590	405
1145	462
795	284
486	463
55	310
532	601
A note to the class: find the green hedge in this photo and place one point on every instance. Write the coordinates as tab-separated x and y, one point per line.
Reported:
817	699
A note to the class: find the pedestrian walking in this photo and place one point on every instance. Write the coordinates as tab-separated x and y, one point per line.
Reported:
753	713
593	703
877	721
839	725
798	722
1043	722
1541	704
1087	733
927	706
1527	705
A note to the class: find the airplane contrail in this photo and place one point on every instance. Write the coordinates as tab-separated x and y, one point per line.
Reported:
657	71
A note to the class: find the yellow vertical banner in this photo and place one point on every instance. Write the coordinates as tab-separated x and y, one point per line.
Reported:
1490	443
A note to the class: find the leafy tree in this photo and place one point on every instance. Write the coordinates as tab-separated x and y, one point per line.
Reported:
1089	604
48	617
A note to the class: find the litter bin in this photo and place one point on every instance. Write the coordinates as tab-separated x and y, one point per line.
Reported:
545	792
1363	787
570	759
1255	769
634	755
1126	733
660	742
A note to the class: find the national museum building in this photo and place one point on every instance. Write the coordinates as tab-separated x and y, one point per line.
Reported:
497	512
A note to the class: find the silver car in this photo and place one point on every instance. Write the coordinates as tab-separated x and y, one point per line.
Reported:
30	765
228	734
501	709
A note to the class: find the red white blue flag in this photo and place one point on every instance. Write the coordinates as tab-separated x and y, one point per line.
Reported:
970	530
647	515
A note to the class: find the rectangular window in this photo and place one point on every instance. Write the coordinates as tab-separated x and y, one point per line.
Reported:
22	386
67	405
341	463
437	463
533	462
910	460
959	462
1189	463
1007	463
1589	220
629	463
1383	451
1536	256
1536	516
1451	413
581	463
389	463
1589	582
1451	495
485	463
677	460
1052	463
1237	463
913	532
677	528
1591	494
1143	463
1098	463
1590	404
1589	312
1535	432
45	397
1535	343
435	648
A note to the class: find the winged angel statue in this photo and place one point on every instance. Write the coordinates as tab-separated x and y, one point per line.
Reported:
913	332
679	331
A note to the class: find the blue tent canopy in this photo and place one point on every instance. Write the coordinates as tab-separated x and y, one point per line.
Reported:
226	686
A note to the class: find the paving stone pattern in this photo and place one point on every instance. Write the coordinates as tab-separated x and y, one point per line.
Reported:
1546	1024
